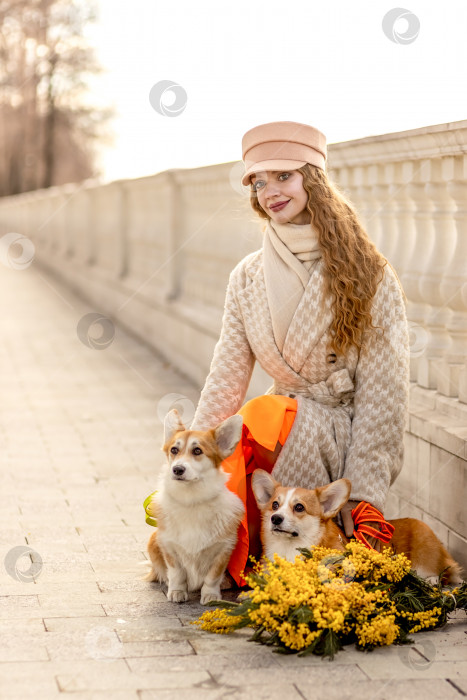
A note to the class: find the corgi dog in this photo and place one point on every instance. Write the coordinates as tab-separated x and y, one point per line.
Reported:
197	515
295	517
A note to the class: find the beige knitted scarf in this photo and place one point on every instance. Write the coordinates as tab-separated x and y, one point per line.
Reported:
289	253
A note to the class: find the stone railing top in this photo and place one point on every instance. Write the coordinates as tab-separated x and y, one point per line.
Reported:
415	144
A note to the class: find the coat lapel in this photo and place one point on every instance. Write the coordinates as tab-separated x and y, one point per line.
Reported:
257	318
311	319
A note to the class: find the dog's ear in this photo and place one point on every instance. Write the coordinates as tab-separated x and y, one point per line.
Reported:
263	486
227	435
172	423
333	496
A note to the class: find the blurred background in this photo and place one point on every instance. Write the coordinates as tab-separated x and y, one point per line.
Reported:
76	76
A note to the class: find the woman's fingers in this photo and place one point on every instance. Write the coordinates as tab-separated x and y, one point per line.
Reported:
346	515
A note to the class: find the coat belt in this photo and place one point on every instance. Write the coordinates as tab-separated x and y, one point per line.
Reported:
337	389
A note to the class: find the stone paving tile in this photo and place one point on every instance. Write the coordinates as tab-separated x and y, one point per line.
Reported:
13	647
11	603
81	624
48	587
434	689
79	610
151	629
157	648
160	607
58	599
406	662
28	687
460	684
80	681
24	627
278	691
216	663
134	585
57	571
121	569
126	694
251	678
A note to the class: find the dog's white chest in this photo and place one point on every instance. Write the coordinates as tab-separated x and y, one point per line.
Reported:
285	548
196	528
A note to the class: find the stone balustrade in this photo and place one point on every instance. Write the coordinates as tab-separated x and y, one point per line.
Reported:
155	253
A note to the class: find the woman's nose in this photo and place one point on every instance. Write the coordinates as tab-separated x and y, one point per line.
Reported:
271	188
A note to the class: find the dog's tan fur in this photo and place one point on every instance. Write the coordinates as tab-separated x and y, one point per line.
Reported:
314	525
197	515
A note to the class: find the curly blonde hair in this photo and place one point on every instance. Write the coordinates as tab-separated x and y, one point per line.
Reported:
353	265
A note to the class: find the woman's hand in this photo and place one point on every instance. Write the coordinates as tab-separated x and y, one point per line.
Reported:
347	518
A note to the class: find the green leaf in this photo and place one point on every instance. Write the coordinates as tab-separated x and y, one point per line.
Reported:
311	649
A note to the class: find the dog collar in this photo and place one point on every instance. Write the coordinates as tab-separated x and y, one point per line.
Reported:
149	510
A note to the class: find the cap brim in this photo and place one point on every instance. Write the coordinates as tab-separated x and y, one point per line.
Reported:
271	165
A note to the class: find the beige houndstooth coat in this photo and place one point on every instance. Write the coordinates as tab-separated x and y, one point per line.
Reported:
351	411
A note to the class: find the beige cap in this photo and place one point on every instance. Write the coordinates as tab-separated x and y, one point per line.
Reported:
282	146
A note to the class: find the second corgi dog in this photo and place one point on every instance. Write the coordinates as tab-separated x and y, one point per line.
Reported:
294	517
197	515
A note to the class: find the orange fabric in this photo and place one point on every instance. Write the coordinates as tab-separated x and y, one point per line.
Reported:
267	420
366	513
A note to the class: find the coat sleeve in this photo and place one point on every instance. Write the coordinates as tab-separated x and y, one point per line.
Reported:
231	367
376	451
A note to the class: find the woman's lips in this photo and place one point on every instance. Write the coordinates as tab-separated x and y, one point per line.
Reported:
281	205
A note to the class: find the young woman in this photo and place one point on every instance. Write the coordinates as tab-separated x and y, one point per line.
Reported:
323	313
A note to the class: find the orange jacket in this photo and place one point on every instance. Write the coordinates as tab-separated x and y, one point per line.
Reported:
267	420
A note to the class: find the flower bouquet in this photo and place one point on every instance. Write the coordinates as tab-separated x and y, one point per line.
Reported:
326	599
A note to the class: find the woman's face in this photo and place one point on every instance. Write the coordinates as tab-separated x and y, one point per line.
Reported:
277	186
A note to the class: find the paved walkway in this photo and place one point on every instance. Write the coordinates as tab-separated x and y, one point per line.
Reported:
80	437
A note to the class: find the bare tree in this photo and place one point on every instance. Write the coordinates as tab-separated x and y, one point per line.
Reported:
48	132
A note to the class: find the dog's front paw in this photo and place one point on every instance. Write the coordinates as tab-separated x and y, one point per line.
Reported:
175	596
209	594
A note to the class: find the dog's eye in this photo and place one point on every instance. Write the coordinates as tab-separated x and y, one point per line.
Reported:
174	450
299	507
197	451
275	505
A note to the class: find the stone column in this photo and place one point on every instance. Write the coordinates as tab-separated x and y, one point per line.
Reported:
442	250
454	291
417	306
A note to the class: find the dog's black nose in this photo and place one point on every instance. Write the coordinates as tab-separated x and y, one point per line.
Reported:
178	470
276	519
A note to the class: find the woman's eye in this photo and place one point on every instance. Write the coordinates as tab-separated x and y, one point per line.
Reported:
259	184
299	507
197	451
275	505
174	450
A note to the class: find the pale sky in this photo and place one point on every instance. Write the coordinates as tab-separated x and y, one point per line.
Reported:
241	64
